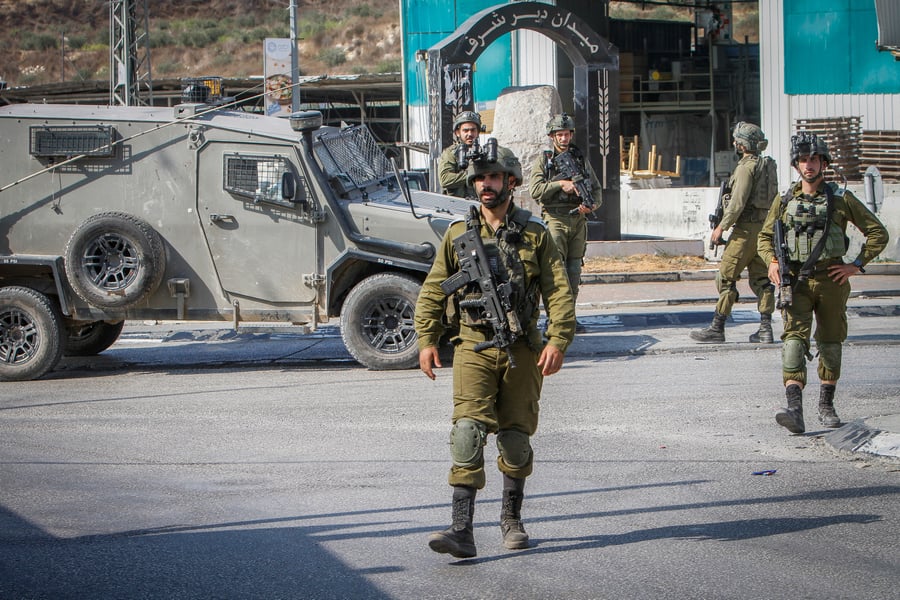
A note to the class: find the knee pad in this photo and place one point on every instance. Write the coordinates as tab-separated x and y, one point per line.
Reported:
830	356
514	447
793	355
467	438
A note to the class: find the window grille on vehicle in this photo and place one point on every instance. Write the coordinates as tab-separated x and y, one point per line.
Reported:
55	140
254	176
353	154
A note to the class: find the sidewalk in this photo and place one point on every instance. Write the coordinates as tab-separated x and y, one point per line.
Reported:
876	435
698	287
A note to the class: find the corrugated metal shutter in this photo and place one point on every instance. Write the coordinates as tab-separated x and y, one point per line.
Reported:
888	14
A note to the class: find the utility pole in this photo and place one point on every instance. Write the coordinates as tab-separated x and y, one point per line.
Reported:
130	81
295	63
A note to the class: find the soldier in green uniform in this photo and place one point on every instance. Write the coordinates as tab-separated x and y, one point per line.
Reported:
558	198
815	216
753	185
490	394
466	128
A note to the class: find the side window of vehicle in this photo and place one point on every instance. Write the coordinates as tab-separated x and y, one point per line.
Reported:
262	179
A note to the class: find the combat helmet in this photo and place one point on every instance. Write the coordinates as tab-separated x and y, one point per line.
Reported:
506	162
804	143
467	116
750	136
559	123
505	154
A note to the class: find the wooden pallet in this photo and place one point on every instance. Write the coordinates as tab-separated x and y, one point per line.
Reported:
843	136
882	149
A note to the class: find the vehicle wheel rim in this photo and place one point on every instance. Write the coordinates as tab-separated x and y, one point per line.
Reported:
111	262
82	332
388	325
18	337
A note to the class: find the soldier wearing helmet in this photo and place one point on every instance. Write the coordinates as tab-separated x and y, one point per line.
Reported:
561	207
466	129
489	396
752	186
815	214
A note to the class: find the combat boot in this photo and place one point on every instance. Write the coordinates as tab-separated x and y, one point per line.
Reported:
791	418
827	416
514	536
764	334
714	333
458	540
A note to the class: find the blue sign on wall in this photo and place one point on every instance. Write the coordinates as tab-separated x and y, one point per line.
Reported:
829	48
427	22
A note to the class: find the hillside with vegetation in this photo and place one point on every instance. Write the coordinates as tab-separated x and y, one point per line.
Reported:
50	41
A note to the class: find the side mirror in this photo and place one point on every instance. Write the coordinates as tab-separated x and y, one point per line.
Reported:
289	190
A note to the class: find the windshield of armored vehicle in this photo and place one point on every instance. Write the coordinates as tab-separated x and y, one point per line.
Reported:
352	158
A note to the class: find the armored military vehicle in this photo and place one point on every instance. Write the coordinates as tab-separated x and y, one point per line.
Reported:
196	213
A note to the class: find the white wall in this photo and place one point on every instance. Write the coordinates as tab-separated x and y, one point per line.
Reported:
683	213
534	59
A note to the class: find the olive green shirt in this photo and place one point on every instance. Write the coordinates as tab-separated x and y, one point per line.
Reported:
540	259
741	184
847	209
450	176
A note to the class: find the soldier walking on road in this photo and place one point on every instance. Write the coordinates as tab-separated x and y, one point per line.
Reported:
753	185
466	129
811	219
495	389
564	211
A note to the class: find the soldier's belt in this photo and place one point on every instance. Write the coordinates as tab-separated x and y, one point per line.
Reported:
477	335
821	266
561	210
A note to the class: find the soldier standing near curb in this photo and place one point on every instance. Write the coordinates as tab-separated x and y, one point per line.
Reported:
753	185
496	387
810	225
466	128
563	209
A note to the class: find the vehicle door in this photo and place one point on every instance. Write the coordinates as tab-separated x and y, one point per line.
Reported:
262	243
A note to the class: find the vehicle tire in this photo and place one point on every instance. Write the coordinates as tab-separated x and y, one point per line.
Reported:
114	260
89	338
31	334
377	322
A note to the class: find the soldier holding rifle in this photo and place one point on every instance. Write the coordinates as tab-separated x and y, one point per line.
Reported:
451	174
744	202
565	186
492	269
810	222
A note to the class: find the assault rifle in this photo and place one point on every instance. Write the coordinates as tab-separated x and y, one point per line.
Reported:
785	294
716	217
568	168
495	299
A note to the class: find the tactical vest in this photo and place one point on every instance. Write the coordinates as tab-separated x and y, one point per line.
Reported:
806	222
765	188
506	266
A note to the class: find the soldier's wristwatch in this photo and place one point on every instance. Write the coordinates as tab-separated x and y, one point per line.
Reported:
858	264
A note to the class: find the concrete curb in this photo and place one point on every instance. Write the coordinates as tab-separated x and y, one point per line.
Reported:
867	436
700	275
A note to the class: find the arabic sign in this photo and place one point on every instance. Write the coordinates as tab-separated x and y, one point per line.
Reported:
545	18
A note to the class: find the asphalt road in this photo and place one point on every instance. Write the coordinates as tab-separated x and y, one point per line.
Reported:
214	464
